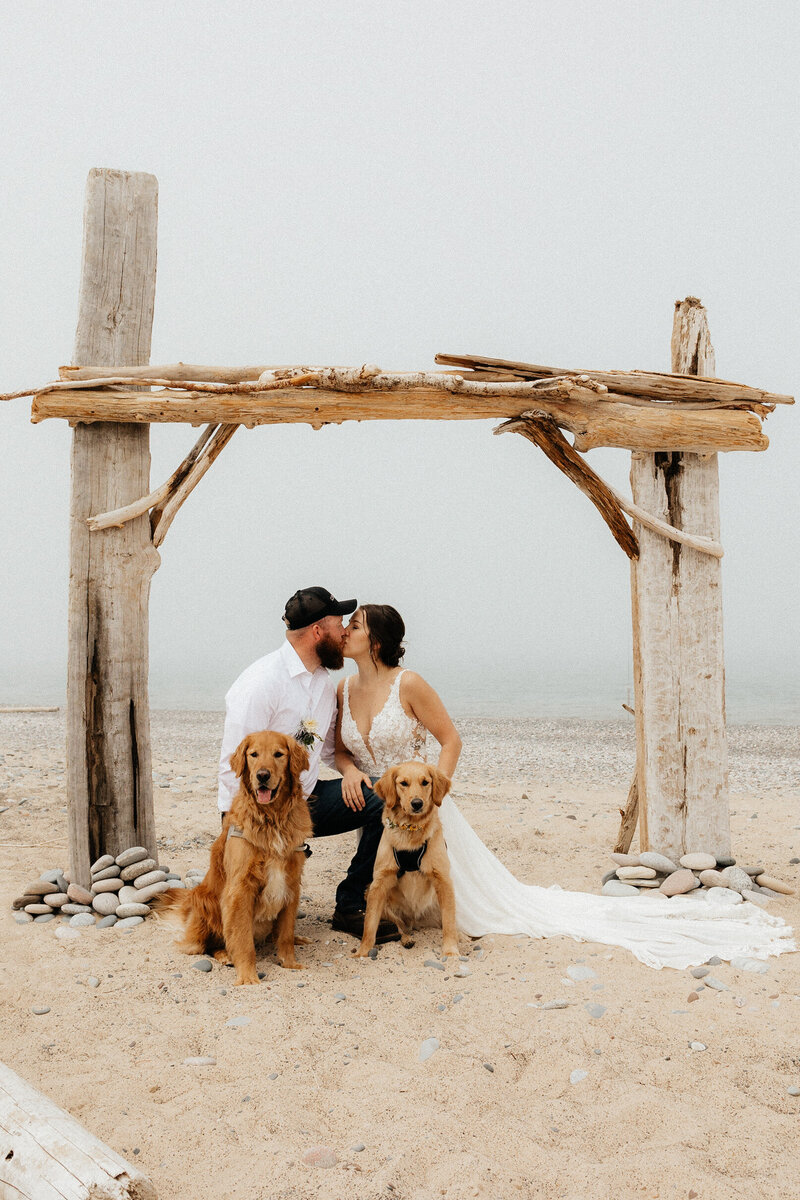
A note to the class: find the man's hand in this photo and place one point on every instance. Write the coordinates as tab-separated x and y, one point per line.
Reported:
352	794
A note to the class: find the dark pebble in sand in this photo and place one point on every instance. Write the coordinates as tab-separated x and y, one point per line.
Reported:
203	965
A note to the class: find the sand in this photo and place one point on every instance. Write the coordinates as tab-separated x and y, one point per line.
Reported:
331	1056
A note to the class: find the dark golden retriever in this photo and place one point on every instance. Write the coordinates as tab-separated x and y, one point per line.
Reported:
411	880
252	886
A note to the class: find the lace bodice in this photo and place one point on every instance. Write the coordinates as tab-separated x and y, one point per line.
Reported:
393	737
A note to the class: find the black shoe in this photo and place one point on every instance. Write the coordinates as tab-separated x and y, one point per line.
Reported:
352	922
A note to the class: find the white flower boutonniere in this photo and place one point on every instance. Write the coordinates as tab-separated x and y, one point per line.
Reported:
307	732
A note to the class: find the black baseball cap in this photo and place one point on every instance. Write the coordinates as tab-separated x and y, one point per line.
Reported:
312	604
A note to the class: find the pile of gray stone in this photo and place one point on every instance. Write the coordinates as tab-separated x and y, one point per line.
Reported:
120	892
721	880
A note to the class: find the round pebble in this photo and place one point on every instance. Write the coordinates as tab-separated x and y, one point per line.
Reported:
38	909
615	887
41	887
128	923
775	885
93	981
71	908
78	894
23	918
142	881
39	1010
203	964
107	885
107	922
81	920
319	1156
101	864
43	918
698	861
635	873
724	895
794	1090
144	895
697	1046
132	910
128	894
359	1146
679	882
111	872
428	1047
712	878
625	860
133	855
56	899
136	869
106	904
737	879
659	862
754	898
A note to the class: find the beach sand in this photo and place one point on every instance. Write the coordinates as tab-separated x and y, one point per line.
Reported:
331	1056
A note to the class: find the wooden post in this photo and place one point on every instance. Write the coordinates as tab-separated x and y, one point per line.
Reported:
109	774
679	671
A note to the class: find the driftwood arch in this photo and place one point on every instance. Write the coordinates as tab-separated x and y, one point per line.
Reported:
673	424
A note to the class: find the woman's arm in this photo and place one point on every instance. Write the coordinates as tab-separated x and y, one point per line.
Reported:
428	709
352	778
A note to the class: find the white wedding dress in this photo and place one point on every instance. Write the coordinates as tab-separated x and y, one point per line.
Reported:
675	932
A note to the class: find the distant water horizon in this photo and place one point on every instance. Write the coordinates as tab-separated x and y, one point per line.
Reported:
752	698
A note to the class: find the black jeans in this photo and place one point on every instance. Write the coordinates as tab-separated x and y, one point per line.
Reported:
330	815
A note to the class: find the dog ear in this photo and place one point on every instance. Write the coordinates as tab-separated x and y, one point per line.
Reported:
386	787
239	757
298	758
441	785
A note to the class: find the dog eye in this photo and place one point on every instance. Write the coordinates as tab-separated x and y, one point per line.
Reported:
402	783
254	754
278	754
425	783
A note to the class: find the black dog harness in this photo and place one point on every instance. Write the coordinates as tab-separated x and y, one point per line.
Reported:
409	860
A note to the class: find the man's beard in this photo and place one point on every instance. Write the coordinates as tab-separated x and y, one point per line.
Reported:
329	653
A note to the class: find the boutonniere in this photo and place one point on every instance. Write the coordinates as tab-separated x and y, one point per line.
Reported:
307	732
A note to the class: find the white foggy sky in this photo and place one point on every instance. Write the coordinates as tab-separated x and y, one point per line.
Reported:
350	182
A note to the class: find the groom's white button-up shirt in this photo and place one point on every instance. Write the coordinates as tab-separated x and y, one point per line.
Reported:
278	692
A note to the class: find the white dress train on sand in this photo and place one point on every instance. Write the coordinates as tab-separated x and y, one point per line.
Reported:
675	932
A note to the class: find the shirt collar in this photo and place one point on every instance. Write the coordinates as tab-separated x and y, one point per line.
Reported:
293	661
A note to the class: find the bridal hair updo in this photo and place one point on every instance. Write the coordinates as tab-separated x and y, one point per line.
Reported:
386	632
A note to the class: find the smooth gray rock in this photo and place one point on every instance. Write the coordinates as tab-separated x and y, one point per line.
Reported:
432	962
711	981
794	1090
56	899
37	909
359	1146
750	964
43	918
107	922
149	893
609	875
698	861
106	860
112	872
41	887
615	887
93	981
755	898
132	910
128	923
697	1046
23	918
753	870
104	886
134	854
625	860
128	894
105	904
659	862
737	879
700	972
143	881
724	895
580	973
51	876
203	964
81	920
626	873
39	1010
70	909
712	878
134	870
428	1047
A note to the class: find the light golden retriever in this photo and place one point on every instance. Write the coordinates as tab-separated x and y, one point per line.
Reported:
252	886
411	881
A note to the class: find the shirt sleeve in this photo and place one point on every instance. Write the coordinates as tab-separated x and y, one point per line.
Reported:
244	713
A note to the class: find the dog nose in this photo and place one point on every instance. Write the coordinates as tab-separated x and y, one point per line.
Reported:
263	776
416	805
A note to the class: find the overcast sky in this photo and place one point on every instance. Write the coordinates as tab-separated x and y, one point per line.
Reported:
349	182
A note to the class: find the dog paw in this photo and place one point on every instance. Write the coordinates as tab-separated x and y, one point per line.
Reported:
291	966
222	956
299	940
407	941
244	980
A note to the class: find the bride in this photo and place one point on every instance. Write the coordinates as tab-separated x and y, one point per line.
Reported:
385	716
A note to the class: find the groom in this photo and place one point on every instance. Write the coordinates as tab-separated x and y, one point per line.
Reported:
291	691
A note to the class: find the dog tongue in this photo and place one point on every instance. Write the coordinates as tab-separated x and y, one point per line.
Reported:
265	795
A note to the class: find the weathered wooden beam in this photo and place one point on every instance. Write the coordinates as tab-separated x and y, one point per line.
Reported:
45	1154
591	422
679	673
654	385
109	774
629	816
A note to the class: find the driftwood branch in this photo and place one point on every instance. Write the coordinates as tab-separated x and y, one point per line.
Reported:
545	434
652	385
164	513
630	816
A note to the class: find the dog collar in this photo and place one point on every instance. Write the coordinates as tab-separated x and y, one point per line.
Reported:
235	831
399	824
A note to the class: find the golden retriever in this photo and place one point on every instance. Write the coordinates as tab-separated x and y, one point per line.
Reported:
411	880
253	880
